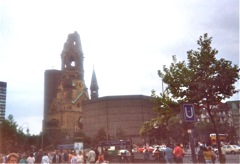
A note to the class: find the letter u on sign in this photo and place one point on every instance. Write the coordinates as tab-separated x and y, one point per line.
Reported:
188	112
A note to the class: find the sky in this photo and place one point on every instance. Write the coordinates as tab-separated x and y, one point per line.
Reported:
125	41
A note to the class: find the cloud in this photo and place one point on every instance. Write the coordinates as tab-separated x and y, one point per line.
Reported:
125	41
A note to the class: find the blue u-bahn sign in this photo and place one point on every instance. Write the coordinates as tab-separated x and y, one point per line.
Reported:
188	112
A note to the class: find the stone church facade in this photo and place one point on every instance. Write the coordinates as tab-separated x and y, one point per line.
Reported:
69	108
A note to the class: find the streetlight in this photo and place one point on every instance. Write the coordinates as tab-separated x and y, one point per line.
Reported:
157	126
27	127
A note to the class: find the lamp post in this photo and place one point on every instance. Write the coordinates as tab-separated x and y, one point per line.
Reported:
27	127
192	147
156	126
160	130
42	140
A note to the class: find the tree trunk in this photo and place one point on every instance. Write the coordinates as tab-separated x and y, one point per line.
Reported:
221	159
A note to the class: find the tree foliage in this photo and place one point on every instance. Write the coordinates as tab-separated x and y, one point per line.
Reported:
203	78
120	134
13	139
10	137
164	108
176	125
100	136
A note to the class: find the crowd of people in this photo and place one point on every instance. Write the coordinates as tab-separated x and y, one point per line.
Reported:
54	156
169	154
206	154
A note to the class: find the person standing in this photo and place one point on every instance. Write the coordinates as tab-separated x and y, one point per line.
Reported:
214	156
31	159
91	156
57	158
156	154
146	154
223	159
65	156
23	159
38	156
74	159
84	156
200	155
207	152
178	154
45	158
100	158
80	158
168	154
70	155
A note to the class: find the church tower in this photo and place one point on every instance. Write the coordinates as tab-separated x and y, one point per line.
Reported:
94	86
72	56
63	111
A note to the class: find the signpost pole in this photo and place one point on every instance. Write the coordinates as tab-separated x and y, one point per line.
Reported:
189	118
192	146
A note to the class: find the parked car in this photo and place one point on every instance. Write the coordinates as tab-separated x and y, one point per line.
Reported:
135	150
142	149
161	148
215	150
124	152
231	149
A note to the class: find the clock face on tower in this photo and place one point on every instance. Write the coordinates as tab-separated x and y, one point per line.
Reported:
79	85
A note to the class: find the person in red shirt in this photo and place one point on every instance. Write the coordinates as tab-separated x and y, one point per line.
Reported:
178	154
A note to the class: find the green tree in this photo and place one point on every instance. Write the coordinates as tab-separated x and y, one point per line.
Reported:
148	131
82	137
13	139
54	137
120	134
100	136
9	135
203	80
175	124
164	108
145	129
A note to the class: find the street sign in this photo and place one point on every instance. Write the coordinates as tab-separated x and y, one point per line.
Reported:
66	146
116	143
188	112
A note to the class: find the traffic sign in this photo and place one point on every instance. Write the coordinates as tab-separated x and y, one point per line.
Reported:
188	112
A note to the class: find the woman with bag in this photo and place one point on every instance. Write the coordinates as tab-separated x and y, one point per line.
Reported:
207	152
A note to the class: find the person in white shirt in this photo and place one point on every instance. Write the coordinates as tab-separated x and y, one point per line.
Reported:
45	159
91	156
74	159
80	158
31	159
